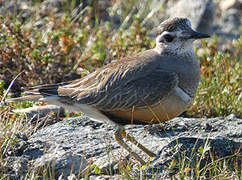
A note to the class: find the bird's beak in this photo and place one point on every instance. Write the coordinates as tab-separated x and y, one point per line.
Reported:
197	35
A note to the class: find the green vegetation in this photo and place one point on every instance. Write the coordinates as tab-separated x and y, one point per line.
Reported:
219	92
62	50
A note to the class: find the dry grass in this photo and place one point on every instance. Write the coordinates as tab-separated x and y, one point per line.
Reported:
73	49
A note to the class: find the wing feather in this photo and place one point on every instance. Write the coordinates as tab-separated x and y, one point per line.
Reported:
132	81
124	86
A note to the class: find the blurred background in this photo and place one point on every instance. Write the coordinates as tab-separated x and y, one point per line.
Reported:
58	40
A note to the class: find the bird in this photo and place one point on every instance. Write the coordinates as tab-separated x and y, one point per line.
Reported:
151	87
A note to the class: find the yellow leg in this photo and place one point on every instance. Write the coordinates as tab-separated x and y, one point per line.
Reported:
119	139
120	134
134	141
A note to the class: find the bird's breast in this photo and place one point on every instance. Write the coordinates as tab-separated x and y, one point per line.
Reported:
188	70
168	108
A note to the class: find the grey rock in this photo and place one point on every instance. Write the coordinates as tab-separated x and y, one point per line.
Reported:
17	165
199	12
231	20
61	163
196	152
42	116
228	20
51	6
227	4
41	111
80	142
16	7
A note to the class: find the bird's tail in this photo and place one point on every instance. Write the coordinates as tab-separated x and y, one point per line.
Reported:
37	93
25	98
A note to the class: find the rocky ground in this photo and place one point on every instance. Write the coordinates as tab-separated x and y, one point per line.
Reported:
76	144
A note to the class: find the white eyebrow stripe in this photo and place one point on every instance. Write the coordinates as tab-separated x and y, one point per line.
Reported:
171	33
164	33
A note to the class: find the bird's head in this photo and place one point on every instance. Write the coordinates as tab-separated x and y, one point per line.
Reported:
176	36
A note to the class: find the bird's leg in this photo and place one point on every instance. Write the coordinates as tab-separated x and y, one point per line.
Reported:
119	135
134	141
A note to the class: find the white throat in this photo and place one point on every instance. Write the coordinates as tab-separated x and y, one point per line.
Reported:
175	48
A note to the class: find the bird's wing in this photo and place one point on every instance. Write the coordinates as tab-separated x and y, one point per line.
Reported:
122	87
133	81
147	90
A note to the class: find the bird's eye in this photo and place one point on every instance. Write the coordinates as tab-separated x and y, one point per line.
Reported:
168	37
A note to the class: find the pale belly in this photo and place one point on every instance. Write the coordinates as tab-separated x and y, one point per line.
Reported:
170	107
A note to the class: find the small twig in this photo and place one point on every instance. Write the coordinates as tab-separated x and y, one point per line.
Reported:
9	87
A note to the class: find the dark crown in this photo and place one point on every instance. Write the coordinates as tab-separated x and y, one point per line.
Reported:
174	24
